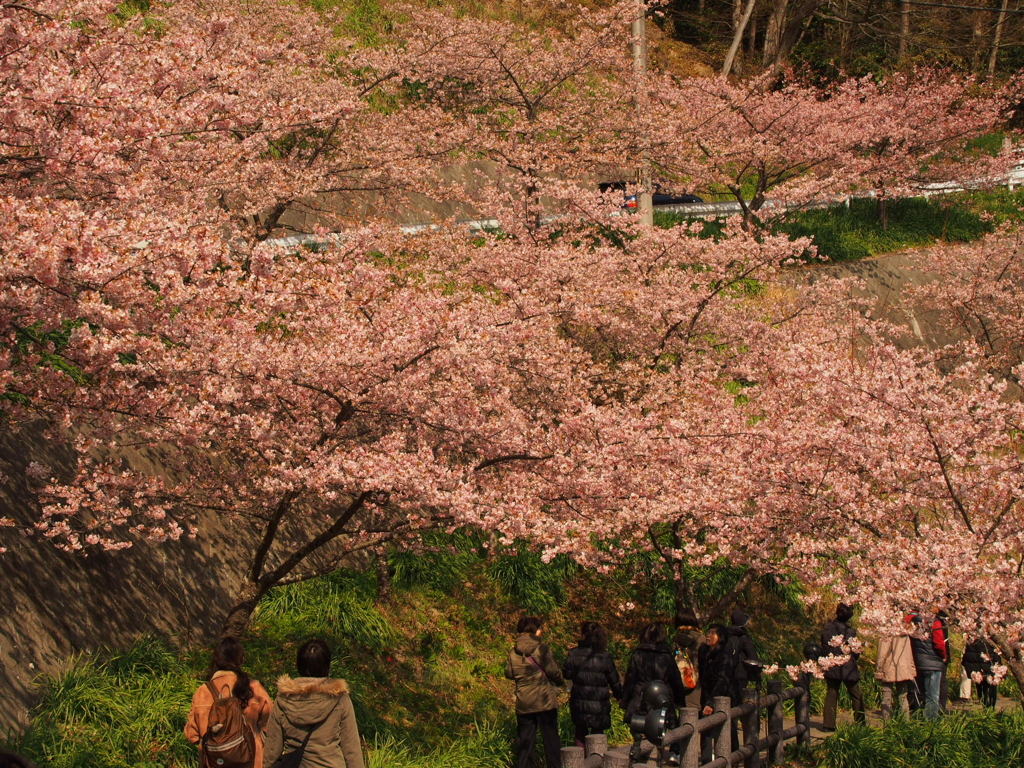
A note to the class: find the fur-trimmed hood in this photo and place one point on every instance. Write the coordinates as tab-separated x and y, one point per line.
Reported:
307	701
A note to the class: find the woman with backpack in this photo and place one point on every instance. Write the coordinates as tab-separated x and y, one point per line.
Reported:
229	712
595	681
313	724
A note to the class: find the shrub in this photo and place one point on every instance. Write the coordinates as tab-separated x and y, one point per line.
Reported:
976	739
113	710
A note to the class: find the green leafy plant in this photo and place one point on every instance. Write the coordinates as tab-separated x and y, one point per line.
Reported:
976	739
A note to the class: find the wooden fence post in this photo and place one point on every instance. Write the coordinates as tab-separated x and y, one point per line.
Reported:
751	726
803	711
595	744
572	757
723	739
615	759
690	756
775	725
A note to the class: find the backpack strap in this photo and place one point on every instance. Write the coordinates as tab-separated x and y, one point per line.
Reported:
217	695
538	666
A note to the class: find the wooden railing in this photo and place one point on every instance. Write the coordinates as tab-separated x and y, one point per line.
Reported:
718	728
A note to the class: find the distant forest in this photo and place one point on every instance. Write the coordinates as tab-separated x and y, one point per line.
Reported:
855	37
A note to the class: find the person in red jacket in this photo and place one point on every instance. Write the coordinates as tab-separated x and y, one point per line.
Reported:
940	641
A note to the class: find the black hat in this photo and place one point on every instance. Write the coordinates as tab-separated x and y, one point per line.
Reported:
739	618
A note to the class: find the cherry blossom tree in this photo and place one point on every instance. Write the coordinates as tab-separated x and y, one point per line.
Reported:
976	295
328	400
586	382
799	142
904	476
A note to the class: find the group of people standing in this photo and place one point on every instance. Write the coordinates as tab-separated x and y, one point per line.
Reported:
720	662
703	665
911	667
310	724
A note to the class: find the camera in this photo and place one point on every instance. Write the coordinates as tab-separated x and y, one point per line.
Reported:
657	715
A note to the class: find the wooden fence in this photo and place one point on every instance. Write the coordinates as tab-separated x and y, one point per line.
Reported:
718	728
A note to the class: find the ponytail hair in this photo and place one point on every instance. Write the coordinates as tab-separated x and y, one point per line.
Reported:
593	636
228	656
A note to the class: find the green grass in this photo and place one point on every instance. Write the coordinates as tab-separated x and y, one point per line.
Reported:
976	739
114	709
844	234
426	671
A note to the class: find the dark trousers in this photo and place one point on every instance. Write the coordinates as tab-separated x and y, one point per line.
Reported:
580	733
987	694
526	734
832	702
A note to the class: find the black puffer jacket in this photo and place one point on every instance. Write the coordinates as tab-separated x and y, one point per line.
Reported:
651	661
740	648
848	672
926	657
715	670
974	657
594	681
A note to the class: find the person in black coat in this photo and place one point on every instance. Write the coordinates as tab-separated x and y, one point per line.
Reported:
979	656
714	668
715	671
741	648
846	674
652	660
594	681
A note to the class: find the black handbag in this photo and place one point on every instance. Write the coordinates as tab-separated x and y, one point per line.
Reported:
293	759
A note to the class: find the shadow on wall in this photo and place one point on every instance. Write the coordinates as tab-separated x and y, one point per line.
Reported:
54	603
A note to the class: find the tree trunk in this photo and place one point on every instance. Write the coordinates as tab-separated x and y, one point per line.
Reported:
737	38
1011	658
384	593
773	34
246	600
977	36
901	55
994	55
799	17
844	39
883	213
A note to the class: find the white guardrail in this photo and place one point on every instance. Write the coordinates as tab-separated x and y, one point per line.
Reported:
1013	179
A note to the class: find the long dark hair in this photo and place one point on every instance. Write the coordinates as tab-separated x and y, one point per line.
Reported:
228	656
652	633
593	636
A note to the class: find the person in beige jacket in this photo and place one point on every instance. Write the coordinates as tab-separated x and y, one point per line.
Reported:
537	677
316	705
228	678
895	672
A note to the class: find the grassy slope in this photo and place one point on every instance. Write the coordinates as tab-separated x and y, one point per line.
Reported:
844	234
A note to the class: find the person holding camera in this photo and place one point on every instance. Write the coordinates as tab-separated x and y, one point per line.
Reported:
836	637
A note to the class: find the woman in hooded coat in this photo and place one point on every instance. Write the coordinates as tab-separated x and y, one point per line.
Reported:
317	709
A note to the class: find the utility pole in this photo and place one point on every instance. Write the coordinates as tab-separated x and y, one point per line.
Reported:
646	203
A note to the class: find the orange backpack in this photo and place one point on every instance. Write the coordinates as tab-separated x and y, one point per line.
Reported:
229	741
